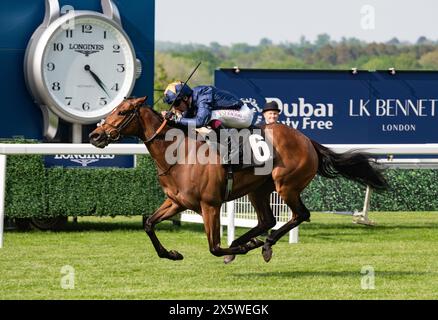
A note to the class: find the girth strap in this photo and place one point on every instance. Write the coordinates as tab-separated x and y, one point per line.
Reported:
229	185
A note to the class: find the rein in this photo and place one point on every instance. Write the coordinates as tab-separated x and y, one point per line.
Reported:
156	132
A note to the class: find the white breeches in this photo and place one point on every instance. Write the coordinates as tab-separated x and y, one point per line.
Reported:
232	118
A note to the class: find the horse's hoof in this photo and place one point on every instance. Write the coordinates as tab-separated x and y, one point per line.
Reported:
175	255
267	253
229	258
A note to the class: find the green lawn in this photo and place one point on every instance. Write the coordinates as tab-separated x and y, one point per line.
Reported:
114	259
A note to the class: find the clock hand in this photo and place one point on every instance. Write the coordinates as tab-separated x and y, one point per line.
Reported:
97	79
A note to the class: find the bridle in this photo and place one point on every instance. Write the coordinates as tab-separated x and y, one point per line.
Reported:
129	116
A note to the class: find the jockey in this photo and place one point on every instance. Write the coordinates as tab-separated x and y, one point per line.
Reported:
207	105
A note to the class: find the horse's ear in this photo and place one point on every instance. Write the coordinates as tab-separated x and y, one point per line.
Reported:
142	100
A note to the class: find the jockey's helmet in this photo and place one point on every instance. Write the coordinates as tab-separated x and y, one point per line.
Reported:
174	89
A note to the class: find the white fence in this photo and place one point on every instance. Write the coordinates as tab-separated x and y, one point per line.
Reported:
231	220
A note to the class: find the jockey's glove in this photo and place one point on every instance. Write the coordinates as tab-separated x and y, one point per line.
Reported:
171	117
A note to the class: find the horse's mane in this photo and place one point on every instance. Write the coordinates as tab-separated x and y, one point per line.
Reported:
155	112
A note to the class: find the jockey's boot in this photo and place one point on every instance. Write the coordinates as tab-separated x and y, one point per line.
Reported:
212	141
203	132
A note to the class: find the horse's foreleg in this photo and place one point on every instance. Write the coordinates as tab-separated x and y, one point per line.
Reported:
211	216
167	210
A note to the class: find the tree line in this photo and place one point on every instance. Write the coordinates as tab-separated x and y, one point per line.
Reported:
174	61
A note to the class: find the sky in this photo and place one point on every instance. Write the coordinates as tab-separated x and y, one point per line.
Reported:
234	21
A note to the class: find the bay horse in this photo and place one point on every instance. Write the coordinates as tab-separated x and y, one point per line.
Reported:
201	187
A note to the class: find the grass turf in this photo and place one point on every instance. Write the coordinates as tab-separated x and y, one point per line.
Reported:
114	259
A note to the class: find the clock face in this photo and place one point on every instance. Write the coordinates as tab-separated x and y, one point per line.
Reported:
88	68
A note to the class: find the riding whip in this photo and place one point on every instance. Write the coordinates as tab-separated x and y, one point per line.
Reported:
171	106
184	85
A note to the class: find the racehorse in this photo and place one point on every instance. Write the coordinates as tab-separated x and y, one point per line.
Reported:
201	187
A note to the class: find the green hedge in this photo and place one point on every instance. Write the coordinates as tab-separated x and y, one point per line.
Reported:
78	192
411	190
34	191
25	187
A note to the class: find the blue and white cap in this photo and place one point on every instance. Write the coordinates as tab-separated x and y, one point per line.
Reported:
174	89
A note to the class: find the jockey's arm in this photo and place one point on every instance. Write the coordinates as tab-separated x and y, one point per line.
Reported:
200	120
202	117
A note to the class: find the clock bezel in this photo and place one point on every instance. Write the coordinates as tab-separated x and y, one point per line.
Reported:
34	67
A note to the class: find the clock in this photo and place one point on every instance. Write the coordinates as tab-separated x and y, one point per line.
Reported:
79	65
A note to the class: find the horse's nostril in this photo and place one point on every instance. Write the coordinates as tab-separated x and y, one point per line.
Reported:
94	136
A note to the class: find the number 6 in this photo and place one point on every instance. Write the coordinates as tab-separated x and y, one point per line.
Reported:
256	141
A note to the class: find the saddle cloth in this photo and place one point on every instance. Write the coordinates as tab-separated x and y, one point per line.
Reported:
254	149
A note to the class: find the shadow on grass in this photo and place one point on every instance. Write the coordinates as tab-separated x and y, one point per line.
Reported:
357	227
96	226
289	274
105	226
317	231
320	229
325	231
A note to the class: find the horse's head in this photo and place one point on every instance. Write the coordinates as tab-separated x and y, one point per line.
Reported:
122	121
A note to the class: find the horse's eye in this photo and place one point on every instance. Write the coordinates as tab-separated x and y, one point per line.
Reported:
125	112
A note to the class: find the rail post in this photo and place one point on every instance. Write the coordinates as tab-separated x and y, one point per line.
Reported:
362	217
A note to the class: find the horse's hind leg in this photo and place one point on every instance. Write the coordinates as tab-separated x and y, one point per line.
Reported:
299	214
167	210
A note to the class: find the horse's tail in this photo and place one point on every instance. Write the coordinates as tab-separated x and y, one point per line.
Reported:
356	166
